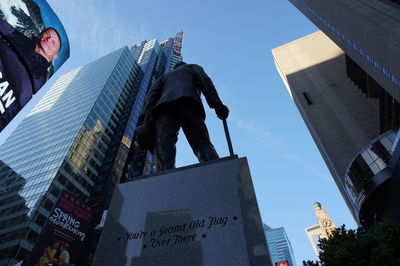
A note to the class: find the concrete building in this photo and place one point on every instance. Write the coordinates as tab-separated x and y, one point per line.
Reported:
345	82
314	235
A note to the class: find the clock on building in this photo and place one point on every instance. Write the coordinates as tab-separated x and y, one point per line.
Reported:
326	222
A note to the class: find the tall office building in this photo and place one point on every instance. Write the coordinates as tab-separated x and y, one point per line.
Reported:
78	138
63	143
345	83
279	246
155	59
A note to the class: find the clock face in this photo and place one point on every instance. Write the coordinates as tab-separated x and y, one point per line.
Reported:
326	222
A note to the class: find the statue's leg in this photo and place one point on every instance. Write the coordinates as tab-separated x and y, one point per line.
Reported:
165	138
197	134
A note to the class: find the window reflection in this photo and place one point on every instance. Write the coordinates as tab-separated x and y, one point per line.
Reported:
368	163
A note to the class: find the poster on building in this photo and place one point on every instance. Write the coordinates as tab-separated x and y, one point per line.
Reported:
60	242
33	45
282	263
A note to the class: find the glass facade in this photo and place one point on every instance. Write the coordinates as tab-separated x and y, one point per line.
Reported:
123	156
362	177
279	245
173	50
68	141
154	59
79	138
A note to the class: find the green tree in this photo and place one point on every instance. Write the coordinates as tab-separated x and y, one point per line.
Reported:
380	245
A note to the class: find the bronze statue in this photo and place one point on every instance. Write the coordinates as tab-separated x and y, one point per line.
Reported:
174	102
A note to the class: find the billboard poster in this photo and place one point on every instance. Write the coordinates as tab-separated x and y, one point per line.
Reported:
61	239
33	45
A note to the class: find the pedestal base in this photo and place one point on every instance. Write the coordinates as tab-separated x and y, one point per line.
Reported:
205	214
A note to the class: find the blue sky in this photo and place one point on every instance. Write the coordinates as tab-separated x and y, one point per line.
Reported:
232	40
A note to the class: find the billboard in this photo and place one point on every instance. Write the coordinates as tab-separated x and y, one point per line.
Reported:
33	45
61	239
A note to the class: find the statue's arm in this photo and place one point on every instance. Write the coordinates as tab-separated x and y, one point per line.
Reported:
207	88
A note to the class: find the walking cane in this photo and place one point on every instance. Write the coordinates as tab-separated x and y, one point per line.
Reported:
228	137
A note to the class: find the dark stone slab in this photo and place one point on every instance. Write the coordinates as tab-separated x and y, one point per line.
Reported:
205	214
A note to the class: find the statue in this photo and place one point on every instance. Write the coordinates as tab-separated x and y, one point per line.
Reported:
174	102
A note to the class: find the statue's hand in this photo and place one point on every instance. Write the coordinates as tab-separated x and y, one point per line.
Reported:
222	111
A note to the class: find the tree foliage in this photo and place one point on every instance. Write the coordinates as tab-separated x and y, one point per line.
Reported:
380	245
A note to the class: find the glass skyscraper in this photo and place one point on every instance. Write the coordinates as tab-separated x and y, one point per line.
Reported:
155	59
125	160
79	138
63	143
279	245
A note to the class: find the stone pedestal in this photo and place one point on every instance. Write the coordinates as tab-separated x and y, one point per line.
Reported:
204	214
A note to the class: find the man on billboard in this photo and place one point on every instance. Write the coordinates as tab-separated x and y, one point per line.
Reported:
49	44
33	45
64	255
